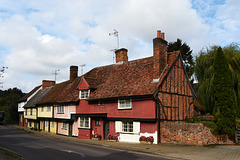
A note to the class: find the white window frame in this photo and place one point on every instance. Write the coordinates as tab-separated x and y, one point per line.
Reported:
127	127
48	108
60	109
64	126
119	128
84	122
83	94
125	104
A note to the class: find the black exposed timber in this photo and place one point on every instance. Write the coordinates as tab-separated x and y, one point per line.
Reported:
178	85
175	91
185	73
178	66
170	91
169	107
161	105
176	94
188	108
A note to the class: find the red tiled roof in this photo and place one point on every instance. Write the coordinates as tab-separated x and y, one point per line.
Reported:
62	92
132	78
24	98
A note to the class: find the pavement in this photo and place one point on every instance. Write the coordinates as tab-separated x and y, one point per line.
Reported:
170	151
6	154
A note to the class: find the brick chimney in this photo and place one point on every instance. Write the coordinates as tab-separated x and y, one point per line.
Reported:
121	55
47	83
159	54
73	72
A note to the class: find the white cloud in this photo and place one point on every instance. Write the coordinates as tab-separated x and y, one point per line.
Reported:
47	35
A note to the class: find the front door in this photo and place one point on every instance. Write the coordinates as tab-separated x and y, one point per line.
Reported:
105	129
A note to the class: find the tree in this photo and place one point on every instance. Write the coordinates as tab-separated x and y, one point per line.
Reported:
9	104
186	53
224	96
204	75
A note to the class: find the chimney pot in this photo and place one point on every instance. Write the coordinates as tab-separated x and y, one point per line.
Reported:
158	33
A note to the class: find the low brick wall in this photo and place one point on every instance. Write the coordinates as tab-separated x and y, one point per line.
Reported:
189	134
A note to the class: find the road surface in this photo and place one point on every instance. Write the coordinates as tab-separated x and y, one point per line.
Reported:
35	147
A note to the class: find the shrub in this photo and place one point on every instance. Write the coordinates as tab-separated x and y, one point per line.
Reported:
142	138
112	137
211	125
238	123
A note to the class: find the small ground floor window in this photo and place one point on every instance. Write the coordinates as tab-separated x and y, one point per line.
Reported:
84	122
64	126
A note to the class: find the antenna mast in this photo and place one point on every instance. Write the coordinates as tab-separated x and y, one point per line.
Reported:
55	73
115	33
2	74
82	65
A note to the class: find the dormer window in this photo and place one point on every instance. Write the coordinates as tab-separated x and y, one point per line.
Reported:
84	94
124	104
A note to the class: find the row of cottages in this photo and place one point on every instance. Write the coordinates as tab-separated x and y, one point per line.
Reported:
128	99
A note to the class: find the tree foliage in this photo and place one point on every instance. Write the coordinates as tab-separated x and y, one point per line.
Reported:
186	53
204	75
9	104
224	96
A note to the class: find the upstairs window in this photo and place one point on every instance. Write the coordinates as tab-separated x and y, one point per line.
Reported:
31	111
84	122
60	109
42	109
84	94
100	103
26	112
124	104
48	108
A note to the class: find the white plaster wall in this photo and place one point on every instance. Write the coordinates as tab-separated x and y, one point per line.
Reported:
75	128
124	137
20	106
134	138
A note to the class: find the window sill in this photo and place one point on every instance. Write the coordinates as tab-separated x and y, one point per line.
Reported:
124	108
83	128
128	133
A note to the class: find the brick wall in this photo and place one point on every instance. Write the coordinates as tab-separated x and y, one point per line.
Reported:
189	134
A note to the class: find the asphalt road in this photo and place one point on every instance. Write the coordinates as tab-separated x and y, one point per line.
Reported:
35	147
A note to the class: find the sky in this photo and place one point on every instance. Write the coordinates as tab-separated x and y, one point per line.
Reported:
39	37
